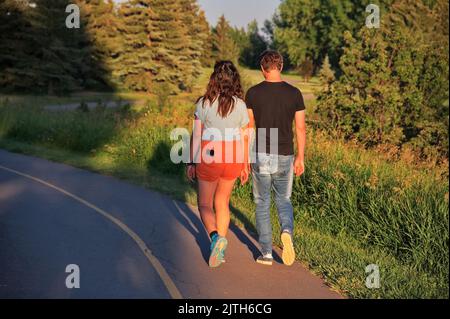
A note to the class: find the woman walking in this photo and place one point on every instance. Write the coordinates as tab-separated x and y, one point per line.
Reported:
219	152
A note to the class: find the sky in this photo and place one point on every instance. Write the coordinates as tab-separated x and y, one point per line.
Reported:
239	12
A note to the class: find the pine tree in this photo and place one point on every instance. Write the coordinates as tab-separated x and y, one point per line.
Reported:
206	57
41	54
255	46
224	47
105	39
326	73
63	53
171	44
241	39
135	57
16	46
195	37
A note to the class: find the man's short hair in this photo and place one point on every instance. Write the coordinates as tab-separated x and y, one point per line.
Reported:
271	60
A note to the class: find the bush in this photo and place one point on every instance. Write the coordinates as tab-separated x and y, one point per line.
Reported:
394	83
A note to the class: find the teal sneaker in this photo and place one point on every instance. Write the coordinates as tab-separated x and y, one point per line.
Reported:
218	252
213	241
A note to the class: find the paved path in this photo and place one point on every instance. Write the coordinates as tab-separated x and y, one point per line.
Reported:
90	105
128	242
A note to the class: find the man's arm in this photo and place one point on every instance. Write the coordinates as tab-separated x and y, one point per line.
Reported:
250	133
245	131
300	134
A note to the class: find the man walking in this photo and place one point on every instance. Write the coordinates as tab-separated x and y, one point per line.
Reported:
273	105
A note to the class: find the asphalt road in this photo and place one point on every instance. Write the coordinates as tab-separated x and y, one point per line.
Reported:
127	241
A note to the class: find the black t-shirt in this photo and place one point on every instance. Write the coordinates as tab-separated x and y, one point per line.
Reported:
274	105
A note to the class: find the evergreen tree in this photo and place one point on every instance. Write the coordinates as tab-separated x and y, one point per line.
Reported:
257	45
326	73
251	44
206	57
268	30
16	46
224	47
241	40
105	38
135	57
41	53
195	38
171	44
50	60
63	54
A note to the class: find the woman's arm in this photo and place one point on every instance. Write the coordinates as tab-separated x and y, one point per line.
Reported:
196	139
195	149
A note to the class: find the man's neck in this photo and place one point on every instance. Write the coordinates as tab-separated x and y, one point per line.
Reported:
273	76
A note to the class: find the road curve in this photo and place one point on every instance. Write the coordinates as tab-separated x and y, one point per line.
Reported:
127	241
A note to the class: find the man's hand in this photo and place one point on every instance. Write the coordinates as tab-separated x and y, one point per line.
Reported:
299	166
191	172
244	175
300	135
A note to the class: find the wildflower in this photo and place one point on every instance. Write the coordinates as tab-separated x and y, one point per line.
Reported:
372	183
339	175
397	190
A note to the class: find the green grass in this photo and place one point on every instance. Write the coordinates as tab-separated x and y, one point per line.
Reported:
352	207
311	87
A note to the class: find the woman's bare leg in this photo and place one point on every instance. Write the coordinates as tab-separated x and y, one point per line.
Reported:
222	205
205	197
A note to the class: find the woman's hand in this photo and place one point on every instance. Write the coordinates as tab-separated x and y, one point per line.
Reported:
191	172
244	175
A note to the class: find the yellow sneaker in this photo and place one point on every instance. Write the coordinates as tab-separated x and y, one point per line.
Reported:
288	255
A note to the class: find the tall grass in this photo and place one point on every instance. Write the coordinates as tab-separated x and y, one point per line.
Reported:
389	206
75	130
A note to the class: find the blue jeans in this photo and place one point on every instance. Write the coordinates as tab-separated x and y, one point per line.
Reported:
272	172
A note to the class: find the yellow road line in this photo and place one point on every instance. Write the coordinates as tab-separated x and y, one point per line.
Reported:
170	285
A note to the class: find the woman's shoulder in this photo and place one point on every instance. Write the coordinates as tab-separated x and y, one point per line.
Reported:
241	105
240	102
204	102
200	101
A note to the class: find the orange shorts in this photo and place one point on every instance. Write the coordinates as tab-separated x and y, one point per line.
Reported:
220	160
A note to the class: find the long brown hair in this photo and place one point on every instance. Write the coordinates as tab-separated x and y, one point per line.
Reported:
224	84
